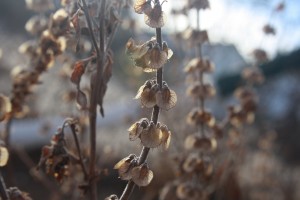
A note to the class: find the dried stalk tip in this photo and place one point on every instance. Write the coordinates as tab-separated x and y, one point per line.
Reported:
125	166
142	175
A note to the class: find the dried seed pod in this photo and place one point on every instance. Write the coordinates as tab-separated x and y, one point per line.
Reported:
198	116
166	136
269	30
195	37
198	142
204	91
36	25
191	162
187	191
147	94
112	197
152	136
40	5
5	107
166	98
169	191
253	75
155	18
168	51
198	4
260	55
50	44
4	155
142	175
60	23
136	129
142	6
125	166
155	57
136	51
197	64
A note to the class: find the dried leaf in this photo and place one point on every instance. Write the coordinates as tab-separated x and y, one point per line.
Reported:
78	71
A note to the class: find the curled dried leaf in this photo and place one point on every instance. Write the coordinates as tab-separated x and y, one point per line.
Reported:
142	175
78	71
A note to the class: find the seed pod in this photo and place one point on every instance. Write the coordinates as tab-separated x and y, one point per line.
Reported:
155	18
136	51
197	142
198	116
191	162
168	51
155	57
142	175
142	6
187	191
5	107
197	90
151	137
125	166
269	30
260	55
197	64
36	25
147	94
166	98
136	129
166	136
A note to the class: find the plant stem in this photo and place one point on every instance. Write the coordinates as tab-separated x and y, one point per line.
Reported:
3	192
155	113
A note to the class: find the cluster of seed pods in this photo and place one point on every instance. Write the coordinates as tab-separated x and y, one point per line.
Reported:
154	94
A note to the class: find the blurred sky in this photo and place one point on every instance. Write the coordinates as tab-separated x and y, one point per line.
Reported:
240	22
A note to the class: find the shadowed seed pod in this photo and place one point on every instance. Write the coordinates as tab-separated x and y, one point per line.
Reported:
197	64
237	116
197	90
59	23
166	98
142	175
125	166
197	142
198	116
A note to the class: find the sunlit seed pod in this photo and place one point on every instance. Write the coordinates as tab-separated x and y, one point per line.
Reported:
40	5
166	98
151	137
142	6
191	162
136	129
5	107
198	4
36	25
50	44
112	197
155	57
148	96
166	136
186	191
156	18
142	175
125	166
198	116
253	75
136	51
4	155
197	64
168	51
197	90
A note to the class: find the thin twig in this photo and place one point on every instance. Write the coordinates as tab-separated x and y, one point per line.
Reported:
3	192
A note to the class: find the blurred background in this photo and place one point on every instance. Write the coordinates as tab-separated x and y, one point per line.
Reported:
235	30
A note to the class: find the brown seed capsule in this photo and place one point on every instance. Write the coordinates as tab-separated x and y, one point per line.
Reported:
166	98
197	90
151	137
155	57
5	107
191	162
136	129
142	175
136	51
203	143
147	94
156	17
260	55
198	116
36	25
125	166
142	6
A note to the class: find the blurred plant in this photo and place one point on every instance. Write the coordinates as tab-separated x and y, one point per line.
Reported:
155	93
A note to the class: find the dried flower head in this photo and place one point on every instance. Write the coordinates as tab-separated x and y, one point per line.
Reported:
5	107
125	166
166	98
156	17
142	175
204	91
147	93
197	64
60	23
